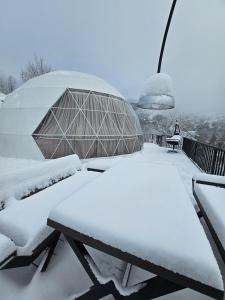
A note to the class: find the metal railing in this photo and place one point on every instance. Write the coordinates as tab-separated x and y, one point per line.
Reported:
154	138
209	158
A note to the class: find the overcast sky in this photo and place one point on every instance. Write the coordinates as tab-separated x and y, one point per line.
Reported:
120	41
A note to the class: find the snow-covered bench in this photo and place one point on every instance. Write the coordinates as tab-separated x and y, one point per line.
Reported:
209	192
175	140
7	249
140	213
25	222
23	182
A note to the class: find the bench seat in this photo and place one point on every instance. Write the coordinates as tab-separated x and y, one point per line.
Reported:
212	200
25	222
23	182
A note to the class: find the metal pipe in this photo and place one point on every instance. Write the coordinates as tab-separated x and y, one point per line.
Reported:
165	35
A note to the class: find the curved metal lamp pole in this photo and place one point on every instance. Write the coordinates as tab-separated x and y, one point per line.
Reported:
159	92
165	35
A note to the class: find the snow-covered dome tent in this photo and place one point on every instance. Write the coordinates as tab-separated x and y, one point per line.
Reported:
63	112
2	98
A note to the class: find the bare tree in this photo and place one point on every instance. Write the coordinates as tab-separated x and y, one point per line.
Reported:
35	68
7	84
11	84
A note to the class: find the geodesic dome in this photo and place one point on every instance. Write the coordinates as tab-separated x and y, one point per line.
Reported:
62	113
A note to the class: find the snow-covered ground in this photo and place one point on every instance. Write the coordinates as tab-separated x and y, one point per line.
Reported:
65	276
185	167
154	153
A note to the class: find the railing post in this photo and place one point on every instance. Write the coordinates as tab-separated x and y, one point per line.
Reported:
195	150
184	148
214	162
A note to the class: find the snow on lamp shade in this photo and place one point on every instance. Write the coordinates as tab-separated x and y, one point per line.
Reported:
157	93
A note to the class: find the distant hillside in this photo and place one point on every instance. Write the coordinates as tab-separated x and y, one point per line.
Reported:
208	129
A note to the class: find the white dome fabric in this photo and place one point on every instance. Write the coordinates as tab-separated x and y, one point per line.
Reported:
63	112
2	98
72	79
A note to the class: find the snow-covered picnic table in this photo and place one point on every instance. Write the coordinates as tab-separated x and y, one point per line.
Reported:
144	210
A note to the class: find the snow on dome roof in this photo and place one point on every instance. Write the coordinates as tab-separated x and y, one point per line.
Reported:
43	91
72	79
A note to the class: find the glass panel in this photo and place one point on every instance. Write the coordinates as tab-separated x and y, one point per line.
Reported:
66	101
47	145
63	149
65	117
49	126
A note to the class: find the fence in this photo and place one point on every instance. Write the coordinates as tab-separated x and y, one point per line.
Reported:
156	139
210	159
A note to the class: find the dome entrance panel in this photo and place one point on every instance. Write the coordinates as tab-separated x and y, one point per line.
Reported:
88	124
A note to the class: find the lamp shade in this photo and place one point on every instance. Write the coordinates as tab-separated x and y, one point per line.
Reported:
157	93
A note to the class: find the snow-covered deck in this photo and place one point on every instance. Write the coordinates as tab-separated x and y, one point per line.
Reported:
65	277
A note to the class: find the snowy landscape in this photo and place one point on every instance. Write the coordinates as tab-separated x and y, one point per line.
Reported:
65	277
112	150
207	128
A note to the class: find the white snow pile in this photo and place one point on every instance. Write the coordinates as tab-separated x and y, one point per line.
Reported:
25	222
209	178
7	247
143	209
125	291
157	92
22	182
157	85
